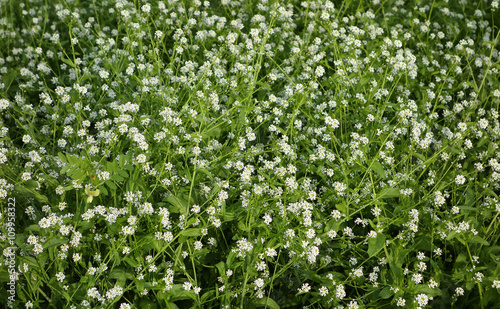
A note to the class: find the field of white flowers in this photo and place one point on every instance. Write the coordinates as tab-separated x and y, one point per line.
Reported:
249	154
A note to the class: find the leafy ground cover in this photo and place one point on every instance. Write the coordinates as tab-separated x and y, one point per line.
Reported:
245	154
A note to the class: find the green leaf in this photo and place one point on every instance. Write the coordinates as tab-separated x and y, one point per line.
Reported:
30	192
221	267
230	259
121	275
103	190
268	303
191	232
177	292
117	177
427	290
72	159
122	173
470	197
229	216
389	192
54	242
385	293
68	62
148	304
206	296
179	204
483	141
242	226
9	78
378	168
110	184
419	156
132	262
62	157
476	239
65	168
214	132
376	244
341	207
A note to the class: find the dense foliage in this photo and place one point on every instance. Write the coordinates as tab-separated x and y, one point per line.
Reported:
240	153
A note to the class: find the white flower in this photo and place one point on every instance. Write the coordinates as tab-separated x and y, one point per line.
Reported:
198	245
146	8
401	302
103	74
422	300
460	180
323	291
259	283
141	158
483	123
417	278
4	104
319	71
60	276
305	288
114	292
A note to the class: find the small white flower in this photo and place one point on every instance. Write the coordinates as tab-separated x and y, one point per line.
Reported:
323	291
60	276
146	8
460	179
141	158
